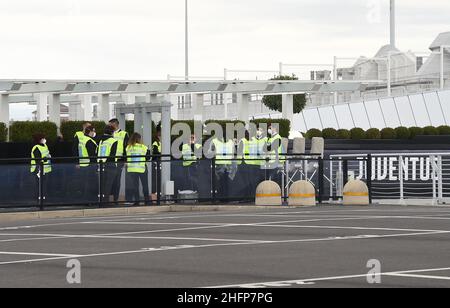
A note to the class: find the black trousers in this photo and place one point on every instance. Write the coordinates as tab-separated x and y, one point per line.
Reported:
116	181
135	179
108	180
89	184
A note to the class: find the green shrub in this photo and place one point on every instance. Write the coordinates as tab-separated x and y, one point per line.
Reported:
314	132
69	128
415	131
343	134
285	125
444	130
388	133
402	133
430	131
24	131
329	133
190	123
3	132
373	134
357	133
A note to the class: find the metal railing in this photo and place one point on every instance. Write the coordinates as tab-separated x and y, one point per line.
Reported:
401	177
196	181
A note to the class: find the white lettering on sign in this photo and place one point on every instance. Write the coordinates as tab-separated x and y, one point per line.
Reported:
388	168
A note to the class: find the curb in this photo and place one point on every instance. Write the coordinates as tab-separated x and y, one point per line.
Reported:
26	216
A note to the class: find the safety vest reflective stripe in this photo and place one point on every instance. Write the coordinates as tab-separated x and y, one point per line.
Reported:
120	137
224	152
83	151
45	154
104	149
136	161
189	157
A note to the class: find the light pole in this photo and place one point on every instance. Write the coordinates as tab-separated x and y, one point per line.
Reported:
186	47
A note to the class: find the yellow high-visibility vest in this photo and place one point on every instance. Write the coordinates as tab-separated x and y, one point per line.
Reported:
120	137
45	154
189	157
83	153
136	161
104	149
224	152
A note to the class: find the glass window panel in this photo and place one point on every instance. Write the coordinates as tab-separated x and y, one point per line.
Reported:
328	117
375	115
390	112
360	115
405	112
299	123
420	111
444	96
344	117
434	109
312	118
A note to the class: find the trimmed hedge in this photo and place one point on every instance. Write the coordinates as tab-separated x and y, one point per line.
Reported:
402	132
3	132
285	125
357	133
343	134
388	133
430	131
69	128
329	133
24	131
373	134
444	130
415	131
313	133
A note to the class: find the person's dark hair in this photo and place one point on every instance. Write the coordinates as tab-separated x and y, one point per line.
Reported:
114	121
109	130
38	137
135	139
89	129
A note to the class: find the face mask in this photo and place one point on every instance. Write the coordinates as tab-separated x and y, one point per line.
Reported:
94	135
44	141
270	132
259	133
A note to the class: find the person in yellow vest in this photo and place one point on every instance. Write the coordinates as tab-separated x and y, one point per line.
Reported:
41	157
156	151
77	136
122	138
138	155
224	151
87	152
107	154
191	151
275	146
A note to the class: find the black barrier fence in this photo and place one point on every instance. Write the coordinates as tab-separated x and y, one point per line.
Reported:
196	181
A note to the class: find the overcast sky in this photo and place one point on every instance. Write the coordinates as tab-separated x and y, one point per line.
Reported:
144	39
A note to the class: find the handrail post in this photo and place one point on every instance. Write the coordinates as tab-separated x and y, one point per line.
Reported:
369	176
41	175
320	180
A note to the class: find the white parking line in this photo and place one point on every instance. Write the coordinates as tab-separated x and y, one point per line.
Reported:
405	274
38	254
327	239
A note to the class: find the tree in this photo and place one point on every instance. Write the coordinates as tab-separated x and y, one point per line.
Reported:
274	102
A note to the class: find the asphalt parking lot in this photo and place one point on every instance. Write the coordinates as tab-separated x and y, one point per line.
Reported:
327	246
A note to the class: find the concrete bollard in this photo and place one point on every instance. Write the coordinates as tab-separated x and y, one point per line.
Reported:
268	193
302	193
356	193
